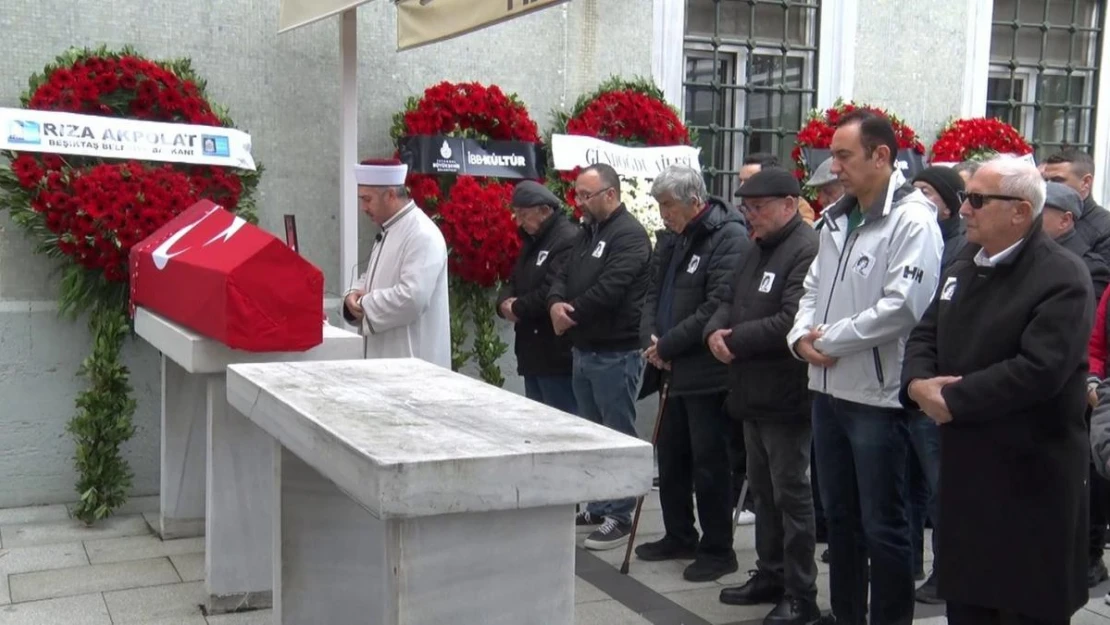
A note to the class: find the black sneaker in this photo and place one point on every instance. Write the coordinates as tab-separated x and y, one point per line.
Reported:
1096	574
927	592
654	483
665	549
825	556
585	518
763	587
610	535
710	569
793	611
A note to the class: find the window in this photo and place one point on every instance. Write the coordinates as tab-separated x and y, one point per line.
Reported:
1044	70
747	90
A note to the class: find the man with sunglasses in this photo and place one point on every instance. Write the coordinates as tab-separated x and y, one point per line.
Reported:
596	298
999	362
876	270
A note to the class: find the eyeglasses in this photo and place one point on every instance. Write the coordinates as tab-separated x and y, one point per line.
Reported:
977	200
586	196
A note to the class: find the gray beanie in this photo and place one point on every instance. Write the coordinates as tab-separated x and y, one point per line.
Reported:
529	193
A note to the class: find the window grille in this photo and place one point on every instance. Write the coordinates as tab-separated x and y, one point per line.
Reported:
748	90
1044	70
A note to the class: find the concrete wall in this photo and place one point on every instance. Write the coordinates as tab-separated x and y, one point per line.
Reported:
284	91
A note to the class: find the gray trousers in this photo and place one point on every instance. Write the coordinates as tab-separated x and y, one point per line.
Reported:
785	526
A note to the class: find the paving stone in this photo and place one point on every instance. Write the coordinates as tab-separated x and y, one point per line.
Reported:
585	592
664	576
156	603
41	558
80	610
257	617
705	603
609	612
33	514
190	566
140	548
91	578
134	505
5	594
55	532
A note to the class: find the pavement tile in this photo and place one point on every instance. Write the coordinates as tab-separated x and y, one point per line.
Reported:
257	617
91	578
41	558
585	592
190	566
81	610
606	613
705	603
33	514
140	548
157	603
53	532
664	576
5	594
134	505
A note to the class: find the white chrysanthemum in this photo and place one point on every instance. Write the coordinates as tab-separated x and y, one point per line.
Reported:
636	195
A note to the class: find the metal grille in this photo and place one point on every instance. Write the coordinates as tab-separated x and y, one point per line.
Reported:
1044	70
750	80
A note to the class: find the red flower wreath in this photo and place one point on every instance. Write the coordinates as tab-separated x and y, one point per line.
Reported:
623	112
977	139
473	213
818	133
93	211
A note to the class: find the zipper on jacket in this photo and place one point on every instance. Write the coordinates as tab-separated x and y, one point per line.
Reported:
878	366
851	243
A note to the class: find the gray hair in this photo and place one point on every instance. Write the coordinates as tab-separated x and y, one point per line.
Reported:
1019	178
969	166
683	182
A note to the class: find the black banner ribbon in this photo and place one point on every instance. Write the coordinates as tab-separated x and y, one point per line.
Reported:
440	155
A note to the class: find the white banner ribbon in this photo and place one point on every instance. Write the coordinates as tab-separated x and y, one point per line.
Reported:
571	151
26	130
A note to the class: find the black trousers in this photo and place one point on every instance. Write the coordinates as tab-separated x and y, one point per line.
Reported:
693	458
1099	490
964	614
778	456
738	459
818	508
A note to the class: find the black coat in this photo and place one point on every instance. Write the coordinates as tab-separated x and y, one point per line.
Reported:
766	382
708	252
1014	458
605	279
1094	227
1096	265
538	350
954	232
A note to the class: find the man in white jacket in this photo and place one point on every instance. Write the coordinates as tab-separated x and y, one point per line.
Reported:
876	271
400	302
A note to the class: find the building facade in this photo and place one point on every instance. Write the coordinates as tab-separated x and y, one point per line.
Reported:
745	73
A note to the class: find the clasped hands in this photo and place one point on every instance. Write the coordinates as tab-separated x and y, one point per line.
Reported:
718	347
352	302
927	394
507	310
806	349
560	317
652	355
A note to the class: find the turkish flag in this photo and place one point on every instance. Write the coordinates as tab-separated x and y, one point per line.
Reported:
216	274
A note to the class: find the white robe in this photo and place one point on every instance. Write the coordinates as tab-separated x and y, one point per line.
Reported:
405	308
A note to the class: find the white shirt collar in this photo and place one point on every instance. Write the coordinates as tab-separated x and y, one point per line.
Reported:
983	260
400	214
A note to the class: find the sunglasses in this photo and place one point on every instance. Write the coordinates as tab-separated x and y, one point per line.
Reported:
977	200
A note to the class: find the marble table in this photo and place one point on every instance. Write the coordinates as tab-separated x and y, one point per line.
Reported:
408	494
216	467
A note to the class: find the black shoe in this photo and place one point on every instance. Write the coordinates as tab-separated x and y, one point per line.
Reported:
654	483
610	535
585	518
793	611
761	588
828	619
710	569
1096	574
666	549
927	592
825	556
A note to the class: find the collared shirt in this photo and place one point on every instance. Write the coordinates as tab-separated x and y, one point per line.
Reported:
983	260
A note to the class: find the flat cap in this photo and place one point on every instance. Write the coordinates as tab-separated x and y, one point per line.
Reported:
771	182
529	193
1062	197
822	175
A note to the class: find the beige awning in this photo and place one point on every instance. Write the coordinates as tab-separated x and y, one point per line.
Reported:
421	22
296	13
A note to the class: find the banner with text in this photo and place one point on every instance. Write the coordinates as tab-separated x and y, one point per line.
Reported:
571	151
437	154
421	22
25	130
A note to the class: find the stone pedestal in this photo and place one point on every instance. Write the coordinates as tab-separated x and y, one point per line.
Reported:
217	468
407	494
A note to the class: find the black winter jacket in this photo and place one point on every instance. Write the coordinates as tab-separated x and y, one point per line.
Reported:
538	350
709	250
766	382
1095	263
605	279
1015	454
1094	227
954	232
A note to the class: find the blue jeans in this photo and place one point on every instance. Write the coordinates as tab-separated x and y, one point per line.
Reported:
556	391
922	483
861	456
606	385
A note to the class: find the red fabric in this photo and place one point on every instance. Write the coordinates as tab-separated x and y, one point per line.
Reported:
1096	348
228	280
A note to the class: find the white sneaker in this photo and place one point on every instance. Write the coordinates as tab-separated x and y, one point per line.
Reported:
746	518
1107	598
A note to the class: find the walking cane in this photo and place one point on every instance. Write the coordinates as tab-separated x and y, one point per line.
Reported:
640	501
